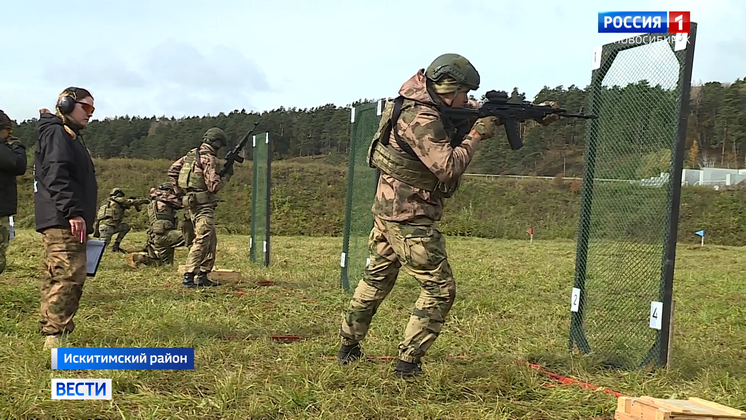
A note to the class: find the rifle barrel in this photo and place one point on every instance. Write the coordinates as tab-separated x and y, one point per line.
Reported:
586	116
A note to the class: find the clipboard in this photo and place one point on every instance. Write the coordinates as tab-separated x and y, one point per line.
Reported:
94	250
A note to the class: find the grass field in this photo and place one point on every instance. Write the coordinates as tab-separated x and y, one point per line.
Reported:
512	304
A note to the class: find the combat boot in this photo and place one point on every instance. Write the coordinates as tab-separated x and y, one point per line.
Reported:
137	258
203	281
348	353
407	369
189	281
115	248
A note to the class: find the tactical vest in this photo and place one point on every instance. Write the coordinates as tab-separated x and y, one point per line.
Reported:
168	213
111	210
405	167
161	221
189	180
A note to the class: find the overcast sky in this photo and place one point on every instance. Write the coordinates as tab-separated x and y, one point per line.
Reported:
188	57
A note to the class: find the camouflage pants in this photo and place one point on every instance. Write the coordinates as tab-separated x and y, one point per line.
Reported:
187	228
160	247
201	256
62	287
419	249
109	229
4	240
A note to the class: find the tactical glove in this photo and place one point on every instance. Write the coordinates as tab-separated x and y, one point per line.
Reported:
549	118
486	126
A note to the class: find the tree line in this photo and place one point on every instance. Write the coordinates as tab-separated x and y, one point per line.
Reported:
716	129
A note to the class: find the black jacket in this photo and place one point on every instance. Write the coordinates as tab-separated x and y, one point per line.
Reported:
64	177
12	164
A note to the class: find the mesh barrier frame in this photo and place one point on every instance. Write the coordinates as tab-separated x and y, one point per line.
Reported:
659	350
261	184
361	189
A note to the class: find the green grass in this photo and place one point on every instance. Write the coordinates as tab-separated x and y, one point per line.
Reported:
500	208
512	304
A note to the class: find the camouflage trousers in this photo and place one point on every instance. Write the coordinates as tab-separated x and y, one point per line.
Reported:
4	241
109	228
62	286
160	248
201	256
419	249
187	228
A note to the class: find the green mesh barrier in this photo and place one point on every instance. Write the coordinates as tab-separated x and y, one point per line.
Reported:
259	244
622	295
361	189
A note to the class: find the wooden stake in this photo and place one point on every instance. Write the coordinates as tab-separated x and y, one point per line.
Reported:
670	336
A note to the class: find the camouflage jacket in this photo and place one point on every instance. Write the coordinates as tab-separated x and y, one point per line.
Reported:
165	198
421	126
163	206
208	168
113	209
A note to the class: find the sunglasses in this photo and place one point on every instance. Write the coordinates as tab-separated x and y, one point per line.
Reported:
88	108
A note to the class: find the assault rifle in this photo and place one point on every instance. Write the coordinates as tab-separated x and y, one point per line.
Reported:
234	155
510	113
136	202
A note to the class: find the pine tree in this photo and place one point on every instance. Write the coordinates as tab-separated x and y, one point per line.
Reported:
694	154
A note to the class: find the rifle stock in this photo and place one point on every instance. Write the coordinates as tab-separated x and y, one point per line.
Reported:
510	114
234	155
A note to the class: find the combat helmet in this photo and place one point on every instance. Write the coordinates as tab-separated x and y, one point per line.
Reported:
165	186
116	192
215	137
456	67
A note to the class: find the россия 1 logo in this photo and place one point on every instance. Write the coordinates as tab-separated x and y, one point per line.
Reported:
644	22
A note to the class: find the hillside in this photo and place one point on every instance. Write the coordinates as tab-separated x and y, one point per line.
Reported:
308	199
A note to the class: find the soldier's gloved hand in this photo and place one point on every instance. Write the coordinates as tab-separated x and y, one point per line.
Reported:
551	117
229	170
486	126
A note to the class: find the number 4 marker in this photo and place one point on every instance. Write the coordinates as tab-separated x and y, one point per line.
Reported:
656	313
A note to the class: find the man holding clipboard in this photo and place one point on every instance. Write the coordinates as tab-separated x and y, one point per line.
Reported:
65	197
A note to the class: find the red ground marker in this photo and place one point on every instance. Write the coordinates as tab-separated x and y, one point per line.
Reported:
564	380
286	337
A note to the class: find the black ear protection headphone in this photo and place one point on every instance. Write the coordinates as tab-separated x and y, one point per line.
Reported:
67	100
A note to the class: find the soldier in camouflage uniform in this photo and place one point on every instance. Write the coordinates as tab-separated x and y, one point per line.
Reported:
12	165
197	177
163	236
110	218
420	166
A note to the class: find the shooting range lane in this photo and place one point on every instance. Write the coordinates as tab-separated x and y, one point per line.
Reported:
558	379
